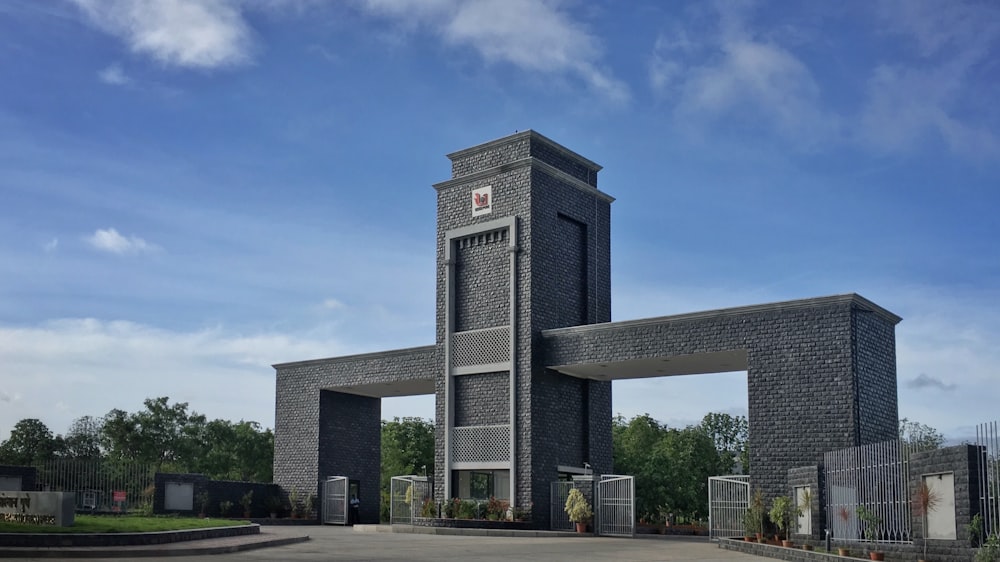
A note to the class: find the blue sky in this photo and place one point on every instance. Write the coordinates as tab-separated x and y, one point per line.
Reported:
193	191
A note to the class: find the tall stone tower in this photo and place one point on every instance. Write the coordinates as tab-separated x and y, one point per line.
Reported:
523	245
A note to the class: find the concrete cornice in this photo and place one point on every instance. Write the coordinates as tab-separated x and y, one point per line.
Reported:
530	162
360	357
848	299
530	134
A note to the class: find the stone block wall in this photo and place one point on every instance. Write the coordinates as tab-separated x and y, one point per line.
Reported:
218	491
351	445
298	417
27	474
803	375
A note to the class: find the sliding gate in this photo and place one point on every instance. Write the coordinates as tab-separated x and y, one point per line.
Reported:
335	500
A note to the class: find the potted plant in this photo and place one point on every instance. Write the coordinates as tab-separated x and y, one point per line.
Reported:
757	509
273	504
805	508
845	516
311	506
925	500
751	526
578	510
871	523
293	498
245	501
202	500
224	507
783	511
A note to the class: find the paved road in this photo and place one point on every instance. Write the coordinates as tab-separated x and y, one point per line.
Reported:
343	543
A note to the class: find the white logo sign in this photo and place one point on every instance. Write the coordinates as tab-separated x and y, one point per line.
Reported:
482	201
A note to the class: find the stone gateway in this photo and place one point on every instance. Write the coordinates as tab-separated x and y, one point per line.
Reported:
525	351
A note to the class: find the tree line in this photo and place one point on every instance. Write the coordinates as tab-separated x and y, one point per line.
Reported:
166	436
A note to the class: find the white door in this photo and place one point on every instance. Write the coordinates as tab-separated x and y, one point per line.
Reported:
941	519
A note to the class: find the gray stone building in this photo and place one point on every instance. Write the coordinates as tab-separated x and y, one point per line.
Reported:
525	352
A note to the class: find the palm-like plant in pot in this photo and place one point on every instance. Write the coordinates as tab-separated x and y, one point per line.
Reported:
871	523
925	500
578	509
783	511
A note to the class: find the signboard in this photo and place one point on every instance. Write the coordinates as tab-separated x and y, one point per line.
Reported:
118	496
482	201
38	508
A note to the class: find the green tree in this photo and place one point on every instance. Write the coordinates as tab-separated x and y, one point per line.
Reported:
30	443
159	435
919	436
407	448
230	451
731	435
83	440
671	466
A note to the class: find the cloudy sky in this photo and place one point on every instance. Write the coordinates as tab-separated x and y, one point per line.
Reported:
192	191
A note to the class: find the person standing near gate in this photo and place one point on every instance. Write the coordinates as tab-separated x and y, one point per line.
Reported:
355	505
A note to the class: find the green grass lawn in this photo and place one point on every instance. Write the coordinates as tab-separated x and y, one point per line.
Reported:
121	524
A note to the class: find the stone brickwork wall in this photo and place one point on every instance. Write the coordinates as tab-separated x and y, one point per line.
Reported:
27	474
482	284
218	491
811	476
801	370
351	445
298	419
562	269
875	377
960	460
482	399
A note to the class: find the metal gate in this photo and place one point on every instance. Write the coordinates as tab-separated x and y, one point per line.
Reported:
614	515
335	500
728	501
559	520
407	495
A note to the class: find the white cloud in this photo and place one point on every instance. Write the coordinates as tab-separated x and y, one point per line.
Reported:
108	240
534	35
930	96
114	75
184	33
332	304
731	75
51	245
92	366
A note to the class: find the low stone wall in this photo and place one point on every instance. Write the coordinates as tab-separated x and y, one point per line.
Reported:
122	539
938	551
472	524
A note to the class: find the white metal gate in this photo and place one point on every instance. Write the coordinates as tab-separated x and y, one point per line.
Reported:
728	501
407	495
615	506
559	520
335	500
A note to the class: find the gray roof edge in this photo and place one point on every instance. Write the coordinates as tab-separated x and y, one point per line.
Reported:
529	162
533	135
358	357
849	298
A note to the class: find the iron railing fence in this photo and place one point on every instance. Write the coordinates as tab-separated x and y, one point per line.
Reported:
100	485
874	478
988	441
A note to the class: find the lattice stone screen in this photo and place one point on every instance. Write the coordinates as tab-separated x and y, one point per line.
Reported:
484	443
480	347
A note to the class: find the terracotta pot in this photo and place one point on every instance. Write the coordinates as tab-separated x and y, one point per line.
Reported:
581	527
876	555
786	544
843	551
807	547
748	538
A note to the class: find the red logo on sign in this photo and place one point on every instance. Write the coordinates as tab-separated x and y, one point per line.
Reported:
482	199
